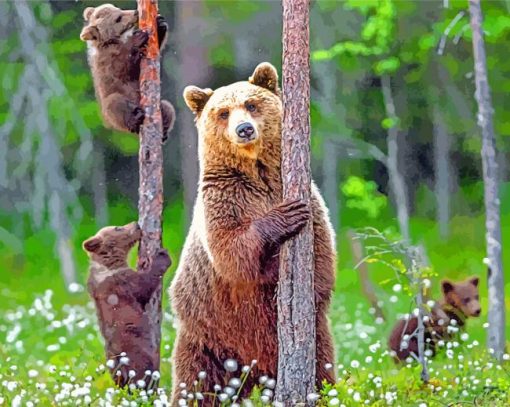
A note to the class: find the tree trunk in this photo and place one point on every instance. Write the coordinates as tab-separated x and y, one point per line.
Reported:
296	307
397	183
442	171
150	204
496	312
193	70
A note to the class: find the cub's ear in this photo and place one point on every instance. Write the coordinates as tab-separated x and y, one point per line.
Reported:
87	13
92	244
89	33
266	76
196	98
474	281
447	286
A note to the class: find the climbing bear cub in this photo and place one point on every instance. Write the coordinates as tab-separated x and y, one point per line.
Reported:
224	291
460	301
115	47
121	294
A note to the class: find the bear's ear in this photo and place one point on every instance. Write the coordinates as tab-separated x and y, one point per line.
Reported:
89	33
266	76
196	98
447	286
92	244
474	281
87	13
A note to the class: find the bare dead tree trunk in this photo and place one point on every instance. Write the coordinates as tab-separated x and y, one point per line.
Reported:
442	170
150	204
496	313
296	306
397	183
193	70
366	284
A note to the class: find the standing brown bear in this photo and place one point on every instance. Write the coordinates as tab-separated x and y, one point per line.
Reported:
460	301
115	49
224	291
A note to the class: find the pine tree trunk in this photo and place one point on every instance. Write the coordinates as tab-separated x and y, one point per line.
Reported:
496	312
150	204
296	307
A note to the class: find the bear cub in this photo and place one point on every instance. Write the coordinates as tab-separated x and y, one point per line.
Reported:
460	301
121	294
115	47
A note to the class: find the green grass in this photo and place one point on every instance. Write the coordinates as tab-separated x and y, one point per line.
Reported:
51	351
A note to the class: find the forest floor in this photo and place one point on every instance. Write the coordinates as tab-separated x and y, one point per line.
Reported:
51	352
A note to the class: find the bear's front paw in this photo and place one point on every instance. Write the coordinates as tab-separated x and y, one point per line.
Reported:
287	219
140	39
135	120
162	261
162	30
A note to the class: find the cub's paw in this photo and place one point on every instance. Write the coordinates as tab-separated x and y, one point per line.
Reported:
162	30
135	120
162	260
140	39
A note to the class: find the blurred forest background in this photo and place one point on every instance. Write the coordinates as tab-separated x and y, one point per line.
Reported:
392	104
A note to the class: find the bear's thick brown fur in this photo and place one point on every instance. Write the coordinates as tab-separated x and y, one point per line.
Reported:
121	294
115	48
460	301
224	291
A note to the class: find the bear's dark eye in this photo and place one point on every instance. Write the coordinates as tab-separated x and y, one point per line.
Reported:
118	19
118	229
466	300
251	107
224	115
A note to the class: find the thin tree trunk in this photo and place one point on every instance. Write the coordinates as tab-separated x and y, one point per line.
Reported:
296	306
193	70
150	204
366	285
442	171
397	183
496	313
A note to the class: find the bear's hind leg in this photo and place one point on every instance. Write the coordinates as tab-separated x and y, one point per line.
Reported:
122	114
325	369
188	360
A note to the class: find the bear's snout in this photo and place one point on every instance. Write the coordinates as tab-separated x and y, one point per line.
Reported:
245	131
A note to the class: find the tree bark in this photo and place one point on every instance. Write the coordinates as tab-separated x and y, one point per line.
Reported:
150	204
397	183
296	307
496	312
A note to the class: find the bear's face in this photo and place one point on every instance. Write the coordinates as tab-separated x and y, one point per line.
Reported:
239	118
463	296
106	23
111	245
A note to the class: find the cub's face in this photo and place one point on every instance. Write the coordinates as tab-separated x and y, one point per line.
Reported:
239	117
107	22
111	245
463	296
